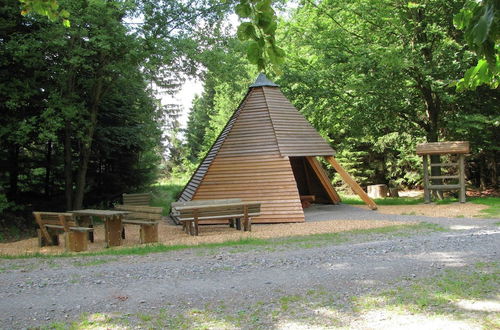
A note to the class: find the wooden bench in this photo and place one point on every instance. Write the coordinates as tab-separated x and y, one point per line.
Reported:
147	217
52	224
191	213
143	199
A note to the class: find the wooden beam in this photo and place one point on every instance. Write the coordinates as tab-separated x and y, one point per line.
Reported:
350	181
43	230
427	193
323	178
461	174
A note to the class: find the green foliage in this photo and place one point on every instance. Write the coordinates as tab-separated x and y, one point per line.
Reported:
225	82
259	34
48	8
480	22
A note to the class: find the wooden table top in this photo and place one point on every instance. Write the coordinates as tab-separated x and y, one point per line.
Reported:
99	213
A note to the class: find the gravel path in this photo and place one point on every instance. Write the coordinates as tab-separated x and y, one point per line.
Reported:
34	292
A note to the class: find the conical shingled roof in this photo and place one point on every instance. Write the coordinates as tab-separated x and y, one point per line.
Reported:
271	126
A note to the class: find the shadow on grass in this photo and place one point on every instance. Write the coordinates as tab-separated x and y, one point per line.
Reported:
431	302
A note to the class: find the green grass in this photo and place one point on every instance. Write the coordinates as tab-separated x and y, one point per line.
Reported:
166	193
493	203
318	307
440	295
93	262
355	200
305	241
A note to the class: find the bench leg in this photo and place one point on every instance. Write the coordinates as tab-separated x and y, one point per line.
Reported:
238	224
43	242
247	224
195	227
231	223
123	232
76	241
87	221
91	234
149	233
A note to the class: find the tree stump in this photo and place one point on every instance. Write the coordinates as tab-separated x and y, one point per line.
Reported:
378	191
393	192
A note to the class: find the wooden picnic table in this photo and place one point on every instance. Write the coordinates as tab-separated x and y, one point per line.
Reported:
112	223
191	213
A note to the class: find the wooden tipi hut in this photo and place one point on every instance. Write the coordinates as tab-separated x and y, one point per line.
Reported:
267	153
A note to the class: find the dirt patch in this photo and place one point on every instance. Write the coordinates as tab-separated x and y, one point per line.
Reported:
173	235
454	210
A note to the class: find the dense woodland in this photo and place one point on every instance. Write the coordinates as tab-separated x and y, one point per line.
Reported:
82	120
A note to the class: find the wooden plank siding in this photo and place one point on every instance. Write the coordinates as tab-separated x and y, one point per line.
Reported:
194	182
250	158
249	166
294	134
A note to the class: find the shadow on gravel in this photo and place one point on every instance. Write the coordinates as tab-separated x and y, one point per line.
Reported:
465	297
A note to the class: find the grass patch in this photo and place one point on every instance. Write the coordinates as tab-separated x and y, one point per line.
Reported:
166	192
355	200
493	203
305	241
93	262
318	307
442	295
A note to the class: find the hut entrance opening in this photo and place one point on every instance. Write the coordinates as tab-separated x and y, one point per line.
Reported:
310	186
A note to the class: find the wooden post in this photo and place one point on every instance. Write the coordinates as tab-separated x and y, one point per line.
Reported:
113	228
323	178
427	193
76	241
86	221
44	233
350	181
246	220
461	178
149	233
195	223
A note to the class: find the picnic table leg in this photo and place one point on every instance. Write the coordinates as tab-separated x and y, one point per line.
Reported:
238	223
191	228
113	227
246	220
231	223
87	221
195	216
149	233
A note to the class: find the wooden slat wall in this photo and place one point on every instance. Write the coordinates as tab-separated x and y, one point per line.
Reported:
249	166
193	184
294	134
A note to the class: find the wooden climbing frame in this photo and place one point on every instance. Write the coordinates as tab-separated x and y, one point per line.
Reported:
459	148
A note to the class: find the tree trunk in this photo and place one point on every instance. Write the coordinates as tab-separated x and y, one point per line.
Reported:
87	145
433	109
494	172
13	172
48	168
483	169
68	171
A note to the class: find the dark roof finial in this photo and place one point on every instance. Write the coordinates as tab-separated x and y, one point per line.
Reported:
263	81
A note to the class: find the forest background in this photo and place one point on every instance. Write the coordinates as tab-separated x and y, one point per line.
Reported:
82	120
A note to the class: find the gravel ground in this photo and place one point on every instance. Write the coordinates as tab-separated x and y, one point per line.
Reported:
40	291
